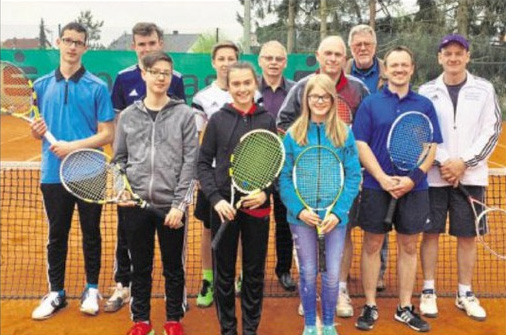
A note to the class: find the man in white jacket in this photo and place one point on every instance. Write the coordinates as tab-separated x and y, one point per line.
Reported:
470	121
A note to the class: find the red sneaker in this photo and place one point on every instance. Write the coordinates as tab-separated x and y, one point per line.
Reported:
173	328
141	328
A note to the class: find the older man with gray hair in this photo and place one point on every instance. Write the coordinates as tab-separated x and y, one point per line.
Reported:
366	66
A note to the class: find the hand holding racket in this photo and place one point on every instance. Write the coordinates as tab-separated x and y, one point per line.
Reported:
318	178
254	165
89	175
408	144
18	98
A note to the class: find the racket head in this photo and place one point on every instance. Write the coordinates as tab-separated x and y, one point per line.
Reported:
409	140
344	111
318	177
491	230
89	175
16	90
256	161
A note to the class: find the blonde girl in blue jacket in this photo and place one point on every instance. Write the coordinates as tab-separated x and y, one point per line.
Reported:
319	124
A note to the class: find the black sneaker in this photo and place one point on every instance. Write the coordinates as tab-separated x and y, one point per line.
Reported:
408	316
367	317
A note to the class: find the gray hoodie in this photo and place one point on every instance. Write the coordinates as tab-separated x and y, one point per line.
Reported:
159	156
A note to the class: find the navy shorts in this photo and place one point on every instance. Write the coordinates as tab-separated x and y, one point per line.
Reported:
411	214
449	200
203	209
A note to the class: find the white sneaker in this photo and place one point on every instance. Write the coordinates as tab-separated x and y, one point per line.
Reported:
428	304
344	309
300	310
471	305
119	297
89	301
49	305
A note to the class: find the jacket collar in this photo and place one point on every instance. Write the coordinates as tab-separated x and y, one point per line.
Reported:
75	77
470	81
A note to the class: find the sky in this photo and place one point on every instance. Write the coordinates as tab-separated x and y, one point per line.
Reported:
21	18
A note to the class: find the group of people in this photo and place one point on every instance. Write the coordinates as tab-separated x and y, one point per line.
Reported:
155	139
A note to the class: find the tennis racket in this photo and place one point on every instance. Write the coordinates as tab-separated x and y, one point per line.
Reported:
254	165
89	175
408	144
318	178
490	225
18	97
344	111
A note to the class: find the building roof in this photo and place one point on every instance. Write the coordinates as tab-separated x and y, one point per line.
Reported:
175	42
21	43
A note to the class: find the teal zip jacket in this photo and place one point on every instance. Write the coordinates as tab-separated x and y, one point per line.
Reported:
349	158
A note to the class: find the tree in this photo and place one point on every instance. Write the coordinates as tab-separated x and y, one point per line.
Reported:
94	29
205	43
43	41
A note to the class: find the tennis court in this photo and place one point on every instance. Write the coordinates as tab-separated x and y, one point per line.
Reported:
23	277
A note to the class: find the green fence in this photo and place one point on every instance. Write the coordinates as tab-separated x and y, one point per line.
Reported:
196	68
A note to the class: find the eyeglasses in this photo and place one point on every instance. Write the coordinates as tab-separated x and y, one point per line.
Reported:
316	98
361	45
68	42
157	73
278	59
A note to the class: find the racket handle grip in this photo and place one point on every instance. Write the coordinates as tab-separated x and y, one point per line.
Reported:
50	137
390	213
321	253
219	235
161	214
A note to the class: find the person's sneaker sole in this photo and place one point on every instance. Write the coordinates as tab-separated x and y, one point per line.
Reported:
477	318
113	306
89	312
430	315
410	326
201	305
363	327
65	305
344	315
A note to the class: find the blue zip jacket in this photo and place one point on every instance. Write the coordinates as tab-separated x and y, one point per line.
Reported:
349	158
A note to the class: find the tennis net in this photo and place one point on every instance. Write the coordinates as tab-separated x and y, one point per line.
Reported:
24	238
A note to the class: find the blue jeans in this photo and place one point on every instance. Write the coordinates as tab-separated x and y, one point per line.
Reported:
306	243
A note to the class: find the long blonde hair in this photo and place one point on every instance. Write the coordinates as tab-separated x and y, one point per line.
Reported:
335	129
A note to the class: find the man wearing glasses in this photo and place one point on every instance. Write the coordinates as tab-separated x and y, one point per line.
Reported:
370	69
274	89
75	106
129	87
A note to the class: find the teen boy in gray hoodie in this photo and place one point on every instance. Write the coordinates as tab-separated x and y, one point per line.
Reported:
156	144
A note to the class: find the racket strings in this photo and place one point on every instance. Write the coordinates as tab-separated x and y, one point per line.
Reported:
88	175
492	229
344	112
256	161
319	177
410	141
16	97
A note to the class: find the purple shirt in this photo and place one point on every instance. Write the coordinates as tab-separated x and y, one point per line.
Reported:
272	100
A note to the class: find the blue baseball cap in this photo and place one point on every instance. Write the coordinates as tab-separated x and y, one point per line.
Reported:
453	38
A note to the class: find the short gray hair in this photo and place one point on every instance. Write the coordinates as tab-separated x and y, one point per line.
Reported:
359	29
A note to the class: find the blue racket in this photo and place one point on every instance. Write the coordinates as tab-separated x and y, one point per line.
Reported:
408	144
